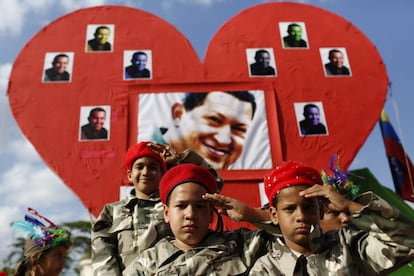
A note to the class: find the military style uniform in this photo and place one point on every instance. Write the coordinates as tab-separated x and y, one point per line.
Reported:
123	230
126	228
378	238
221	253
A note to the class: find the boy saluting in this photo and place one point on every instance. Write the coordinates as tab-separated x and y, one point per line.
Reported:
378	238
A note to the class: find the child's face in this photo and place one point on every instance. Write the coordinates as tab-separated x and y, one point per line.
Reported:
188	214
295	216
53	261
333	220
145	175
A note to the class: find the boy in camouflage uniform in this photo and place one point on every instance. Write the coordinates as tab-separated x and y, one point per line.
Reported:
133	224
194	249
127	227
378	238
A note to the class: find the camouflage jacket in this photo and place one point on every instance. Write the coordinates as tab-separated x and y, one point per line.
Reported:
378	238
221	253
123	230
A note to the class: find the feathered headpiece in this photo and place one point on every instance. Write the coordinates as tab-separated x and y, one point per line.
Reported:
41	230
340	180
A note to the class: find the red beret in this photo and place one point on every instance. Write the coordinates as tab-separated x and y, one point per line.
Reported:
290	173
184	173
140	150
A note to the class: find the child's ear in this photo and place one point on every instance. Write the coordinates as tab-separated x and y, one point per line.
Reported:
273	215
211	213
322	208
166	214
321	211
129	175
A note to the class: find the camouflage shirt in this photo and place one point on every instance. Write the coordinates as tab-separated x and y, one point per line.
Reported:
123	230
221	253
378	238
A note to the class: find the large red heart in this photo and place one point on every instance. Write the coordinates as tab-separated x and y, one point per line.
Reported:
49	113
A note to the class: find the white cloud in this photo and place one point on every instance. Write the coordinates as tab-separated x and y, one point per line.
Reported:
4	80
14	13
4	74
29	183
23	151
43	184
11	16
200	2
38	5
7	125
71	5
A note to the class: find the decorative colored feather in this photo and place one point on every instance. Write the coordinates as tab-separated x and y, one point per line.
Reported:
26	227
340	180
33	220
43	231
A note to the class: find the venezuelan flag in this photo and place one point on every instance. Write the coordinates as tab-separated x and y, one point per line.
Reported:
402	169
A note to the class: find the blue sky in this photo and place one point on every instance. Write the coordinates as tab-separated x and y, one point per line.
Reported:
26	181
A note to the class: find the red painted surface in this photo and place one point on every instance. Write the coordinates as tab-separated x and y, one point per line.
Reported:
49	113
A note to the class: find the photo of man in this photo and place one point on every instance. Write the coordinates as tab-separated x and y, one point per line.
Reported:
97	126
311	118
296	34
261	62
61	67
335	61
102	38
139	62
222	126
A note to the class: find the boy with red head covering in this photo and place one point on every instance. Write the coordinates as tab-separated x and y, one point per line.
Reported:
127	227
378	238
194	249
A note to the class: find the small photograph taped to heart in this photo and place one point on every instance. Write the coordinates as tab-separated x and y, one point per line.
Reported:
335	62
94	123
261	62
137	64
100	38
293	35
310	117
57	67
227	128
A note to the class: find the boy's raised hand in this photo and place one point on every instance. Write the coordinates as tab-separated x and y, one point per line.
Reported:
236	209
332	199
169	154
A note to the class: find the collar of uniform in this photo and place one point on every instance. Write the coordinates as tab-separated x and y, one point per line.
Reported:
131	200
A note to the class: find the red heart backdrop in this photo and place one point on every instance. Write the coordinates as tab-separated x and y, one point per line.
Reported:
49	113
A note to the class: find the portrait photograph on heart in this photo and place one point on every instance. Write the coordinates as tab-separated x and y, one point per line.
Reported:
227	128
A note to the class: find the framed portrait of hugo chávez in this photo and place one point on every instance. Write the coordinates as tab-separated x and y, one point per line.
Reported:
94	123
293	35
310	118
57	67
335	62
137	64
100	38
228	128
261	62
